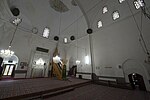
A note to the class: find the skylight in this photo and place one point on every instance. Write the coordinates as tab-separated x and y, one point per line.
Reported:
138	4
120	1
46	32
115	15
99	24
105	9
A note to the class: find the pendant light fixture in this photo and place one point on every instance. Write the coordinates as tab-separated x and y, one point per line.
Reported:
56	38
56	57
8	52
77	61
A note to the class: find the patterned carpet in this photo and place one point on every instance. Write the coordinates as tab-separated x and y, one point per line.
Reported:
26	87
31	87
98	92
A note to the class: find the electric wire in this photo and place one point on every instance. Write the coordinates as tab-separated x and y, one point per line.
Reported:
140	33
145	9
13	36
77	37
93	7
60	6
23	28
86	12
4	20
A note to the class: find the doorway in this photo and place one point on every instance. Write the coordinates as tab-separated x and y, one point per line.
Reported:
40	65
137	81
8	71
10	64
73	71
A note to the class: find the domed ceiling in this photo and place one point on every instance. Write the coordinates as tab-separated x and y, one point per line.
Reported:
64	18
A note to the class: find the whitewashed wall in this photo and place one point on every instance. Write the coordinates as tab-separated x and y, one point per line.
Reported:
117	41
83	50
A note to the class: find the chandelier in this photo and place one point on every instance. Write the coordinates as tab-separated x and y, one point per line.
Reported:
77	62
40	61
6	53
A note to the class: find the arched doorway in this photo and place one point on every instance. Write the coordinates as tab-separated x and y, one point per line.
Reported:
73	71
131	66
9	66
137	81
40	65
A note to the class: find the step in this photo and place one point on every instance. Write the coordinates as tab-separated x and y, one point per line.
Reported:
55	93
45	93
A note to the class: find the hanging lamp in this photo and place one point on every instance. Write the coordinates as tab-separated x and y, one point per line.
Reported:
77	61
8	52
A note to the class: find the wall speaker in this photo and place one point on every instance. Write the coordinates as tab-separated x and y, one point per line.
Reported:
72	38
89	31
56	38
15	11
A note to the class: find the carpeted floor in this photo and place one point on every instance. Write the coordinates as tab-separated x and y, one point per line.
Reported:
10	88
26	87
98	92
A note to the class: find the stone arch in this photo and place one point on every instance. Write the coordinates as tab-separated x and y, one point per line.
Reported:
133	66
14	58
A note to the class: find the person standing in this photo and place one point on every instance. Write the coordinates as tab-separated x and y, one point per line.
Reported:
44	71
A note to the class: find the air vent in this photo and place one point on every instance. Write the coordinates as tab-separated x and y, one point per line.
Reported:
15	11
42	49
